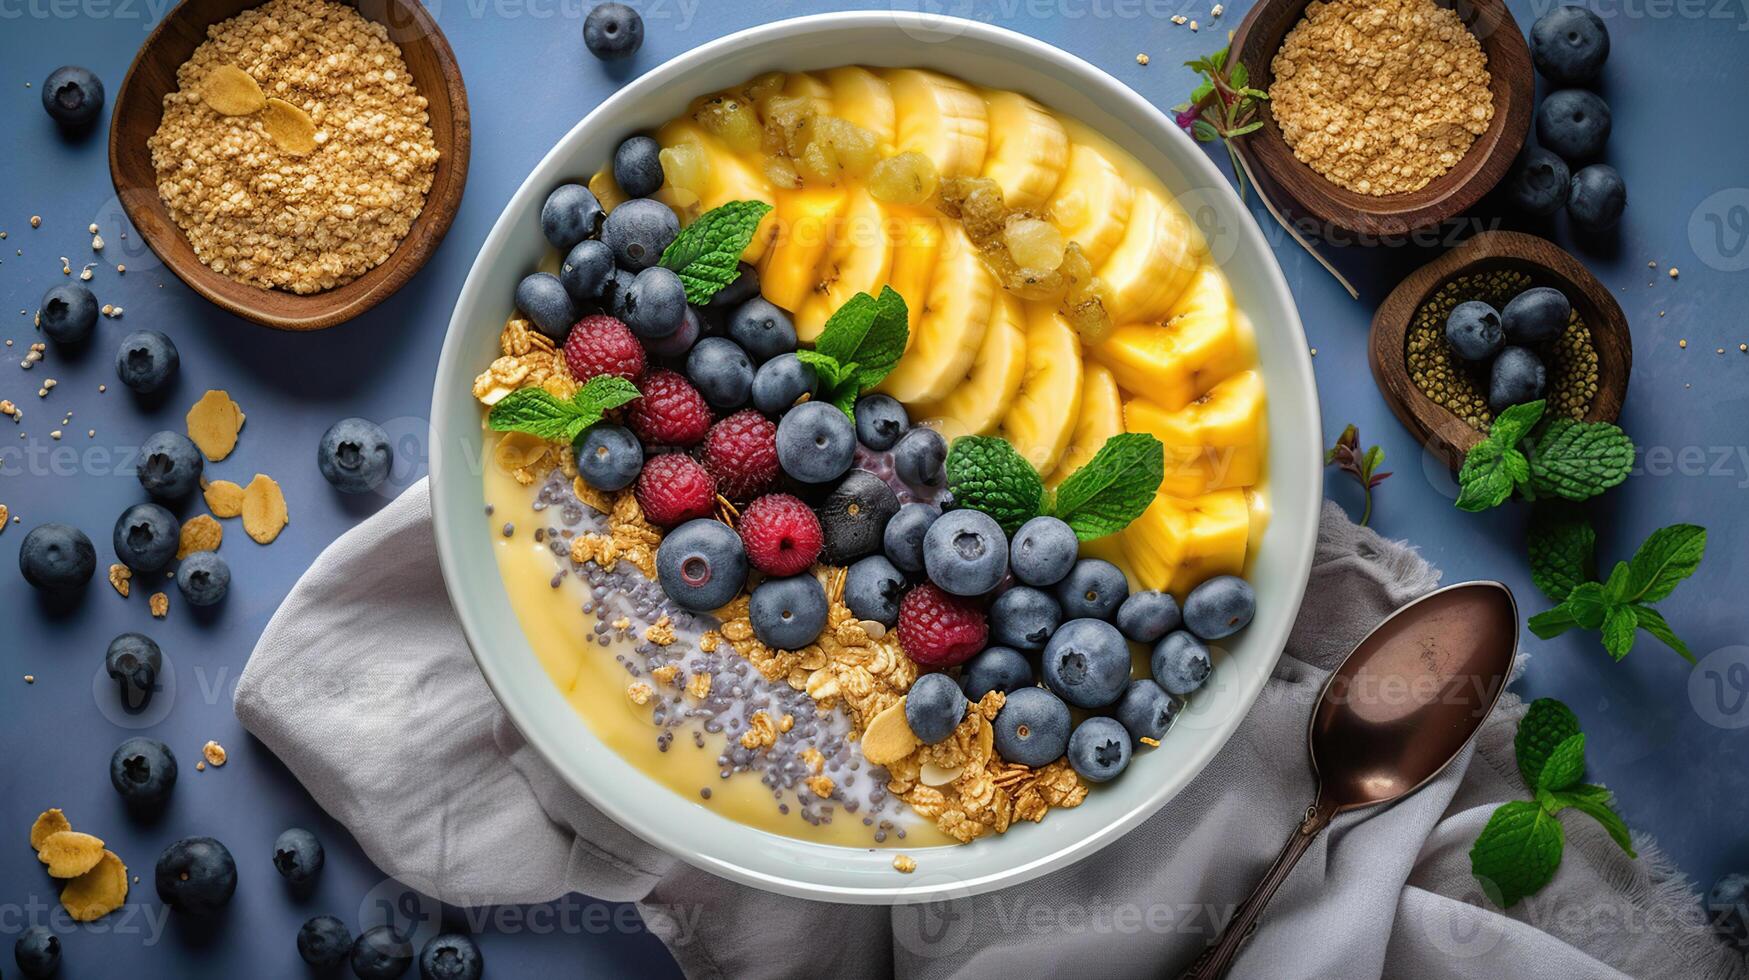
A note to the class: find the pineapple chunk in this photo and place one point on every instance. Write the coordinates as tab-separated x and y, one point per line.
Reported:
1178	542
1212	443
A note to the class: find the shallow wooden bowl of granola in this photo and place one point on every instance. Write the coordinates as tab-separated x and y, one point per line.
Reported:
1307	194
139	109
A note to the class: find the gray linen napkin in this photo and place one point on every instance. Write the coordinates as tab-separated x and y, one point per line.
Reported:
364	687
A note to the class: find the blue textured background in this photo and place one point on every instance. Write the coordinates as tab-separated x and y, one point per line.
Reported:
1675	82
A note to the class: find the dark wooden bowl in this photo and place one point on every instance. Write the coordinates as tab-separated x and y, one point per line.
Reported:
1299	188
1547	264
139	105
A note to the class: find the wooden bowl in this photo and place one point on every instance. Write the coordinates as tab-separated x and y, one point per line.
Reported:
1547	264
1300	188
139	106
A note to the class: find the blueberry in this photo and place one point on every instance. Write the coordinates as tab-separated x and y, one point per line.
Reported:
722	372
1220	607
1145	709
381	953
68	313
298	856
920	458
613	31
965	552
1597	198
637	166
1043	551
680	342
701	564
324	942
1094	588
355	455
1727	905
903	540
1099	749
542	298
1518	376
1538	183
170	465
72	96
617	289
609	456
451	956
763	329
587	271
133	660
570	214
145	537
1536	315
1024	618
1574	123
1144	617
1032	729
1569	45
1087	663
880	421
196	876
815	442
143	771
1180	662
744	288
1002	669
203	578
638	231
788	613
146	361
654	305
37	952
872	589
854	517
934	707
1473	330
56	558
780	381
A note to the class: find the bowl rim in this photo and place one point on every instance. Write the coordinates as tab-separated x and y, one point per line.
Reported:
410	255
696	834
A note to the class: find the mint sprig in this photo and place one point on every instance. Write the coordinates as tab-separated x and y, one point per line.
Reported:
535	411
987	474
859	346
1563	565
1558	458
1362	464
1102	497
707	253
1520	848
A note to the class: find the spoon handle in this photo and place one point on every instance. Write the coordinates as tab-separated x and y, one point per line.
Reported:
1218	957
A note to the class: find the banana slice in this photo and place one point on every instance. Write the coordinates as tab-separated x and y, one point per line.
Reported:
806	220
916	243
1101	418
859	261
1204	341
951	327
940	117
976	405
1212	443
1159	254
1092	203
1029	150
862	97
1042	418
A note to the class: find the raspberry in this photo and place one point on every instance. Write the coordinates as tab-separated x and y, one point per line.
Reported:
937	629
674	488
741	451
670	413
600	344
781	533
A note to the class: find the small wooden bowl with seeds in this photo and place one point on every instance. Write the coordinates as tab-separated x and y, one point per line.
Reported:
323	290
1442	400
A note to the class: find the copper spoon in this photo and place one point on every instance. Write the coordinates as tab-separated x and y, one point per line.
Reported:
1396	712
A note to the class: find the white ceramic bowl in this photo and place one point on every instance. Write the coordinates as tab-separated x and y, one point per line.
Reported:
985	55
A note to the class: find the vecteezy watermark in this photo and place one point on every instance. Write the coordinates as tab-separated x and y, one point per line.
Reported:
1736	11
146	12
1718	230
1718	687
146	920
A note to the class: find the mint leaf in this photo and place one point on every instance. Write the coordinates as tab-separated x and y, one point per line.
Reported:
1490	472
1517	852
1551	623
1594	802
1616	586
1564	766
707	253
538	413
1652	621
1547	724
1619	627
1114	487
827	369
1563	553
868	332
1515	423
1588	605
1577	460
986	473
604	392
1668	556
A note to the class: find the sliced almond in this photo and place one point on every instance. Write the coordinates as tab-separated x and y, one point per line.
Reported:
97	892
51	822
70	854
231	92
264	512
519	449
223	498
199	533
889	737
290	128
930	774
873	627
213	424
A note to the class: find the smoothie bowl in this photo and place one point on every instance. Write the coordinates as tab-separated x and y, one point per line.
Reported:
899	464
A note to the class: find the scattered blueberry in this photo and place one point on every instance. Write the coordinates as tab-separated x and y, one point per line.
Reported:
170	465
722	372
788	613
587	270
1146	616
763	329
145	537
678	343
637	166
381	952
1473	330
1727	905
1145	709
355	455
780	381
1087	663
196	876
37	952
1597	197
1032	728
451	956
1220	607
570	214
1538	183
143	771
638	231
614	293
1574	123
1536	315
920	458
133	660
1099	749
965	552
1024	618
872	589
1180	662
298	856
146	361
654	305
854	517
1569	45
609	456
324	942
56	558
72	96
1043	551
880	421
68	313
903	540
744	288
542	298
203	578
934	707
1002	669
701	564
1517	376
815	442
613	31
1093	589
